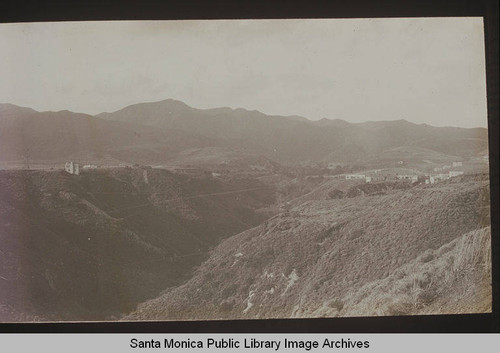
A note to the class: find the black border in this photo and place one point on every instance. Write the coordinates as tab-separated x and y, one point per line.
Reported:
471	323
61	10
43	11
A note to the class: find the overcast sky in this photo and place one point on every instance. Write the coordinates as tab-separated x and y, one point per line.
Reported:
422	70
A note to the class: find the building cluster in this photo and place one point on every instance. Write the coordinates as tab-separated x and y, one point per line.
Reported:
434	178
447	167
380	177
413	177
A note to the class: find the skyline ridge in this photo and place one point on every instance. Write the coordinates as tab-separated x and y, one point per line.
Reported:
292	116
426	70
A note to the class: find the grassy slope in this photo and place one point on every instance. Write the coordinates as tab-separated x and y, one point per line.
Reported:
323	251
456	278
79	247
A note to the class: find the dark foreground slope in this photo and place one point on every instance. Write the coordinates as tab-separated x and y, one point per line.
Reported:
418	250
92	246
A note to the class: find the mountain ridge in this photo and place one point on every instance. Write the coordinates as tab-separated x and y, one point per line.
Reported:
272	133
157	132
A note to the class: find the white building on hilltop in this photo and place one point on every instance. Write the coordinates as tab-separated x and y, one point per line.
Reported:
72	168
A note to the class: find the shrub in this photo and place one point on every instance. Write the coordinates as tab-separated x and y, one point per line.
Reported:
427	256
400	307
335	194
426	296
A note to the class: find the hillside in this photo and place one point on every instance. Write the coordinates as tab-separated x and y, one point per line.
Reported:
413	157
165	132
348	256
224	158
295	139
56	137
90	247
455	278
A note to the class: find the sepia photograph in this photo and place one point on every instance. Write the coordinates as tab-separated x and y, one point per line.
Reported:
188	170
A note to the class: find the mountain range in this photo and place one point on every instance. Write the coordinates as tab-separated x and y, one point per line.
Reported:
162	133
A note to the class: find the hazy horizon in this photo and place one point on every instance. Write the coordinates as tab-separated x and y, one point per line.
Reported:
235	108
423	70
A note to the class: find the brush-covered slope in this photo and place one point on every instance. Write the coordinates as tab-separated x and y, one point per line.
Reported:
292	139
310	260
455	278
414	157
225	158
92	246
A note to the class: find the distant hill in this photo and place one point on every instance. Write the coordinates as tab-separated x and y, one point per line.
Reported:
418	250
59	136
10	110
292	139
155	133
